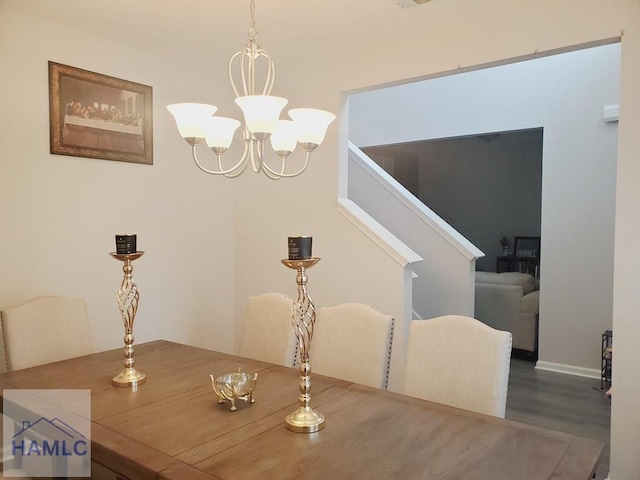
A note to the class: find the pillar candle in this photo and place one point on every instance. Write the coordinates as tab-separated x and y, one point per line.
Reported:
126	243
299	248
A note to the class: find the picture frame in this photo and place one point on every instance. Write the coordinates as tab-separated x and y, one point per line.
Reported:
526	247
98	116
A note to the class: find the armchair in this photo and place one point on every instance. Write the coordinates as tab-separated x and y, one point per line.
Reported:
509	301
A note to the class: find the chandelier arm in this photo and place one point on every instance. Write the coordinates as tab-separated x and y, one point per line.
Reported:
238	167
247	84
228	174
256	155
271	176
236	174
248	69
269	171
251	71
245	153
271	71
271	75
195	159
233	85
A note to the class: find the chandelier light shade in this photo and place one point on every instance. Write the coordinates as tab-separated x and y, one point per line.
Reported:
219	132
311	124
284	139
261	111
191	119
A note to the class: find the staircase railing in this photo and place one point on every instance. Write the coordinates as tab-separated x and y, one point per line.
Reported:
444	281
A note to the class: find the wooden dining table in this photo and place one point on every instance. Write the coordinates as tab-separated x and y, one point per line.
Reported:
172	427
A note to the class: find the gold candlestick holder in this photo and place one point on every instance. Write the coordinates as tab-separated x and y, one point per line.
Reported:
128	298
303	318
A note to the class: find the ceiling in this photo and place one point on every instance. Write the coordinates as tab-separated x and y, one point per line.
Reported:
213	28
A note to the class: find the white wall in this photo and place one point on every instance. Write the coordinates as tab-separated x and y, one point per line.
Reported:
455	34
59	214
565	95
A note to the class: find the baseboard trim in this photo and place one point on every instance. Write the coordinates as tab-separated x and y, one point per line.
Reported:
568	369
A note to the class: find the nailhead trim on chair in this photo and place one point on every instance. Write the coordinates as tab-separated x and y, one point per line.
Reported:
386	380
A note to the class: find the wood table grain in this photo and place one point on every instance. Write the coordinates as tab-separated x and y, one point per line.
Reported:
172	427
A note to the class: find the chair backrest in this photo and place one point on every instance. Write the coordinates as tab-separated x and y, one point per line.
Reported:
45	330
352	341
267	333
458	361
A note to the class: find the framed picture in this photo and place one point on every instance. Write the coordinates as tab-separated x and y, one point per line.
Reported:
528	247
98	116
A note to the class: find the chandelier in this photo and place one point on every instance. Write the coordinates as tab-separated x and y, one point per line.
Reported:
196	121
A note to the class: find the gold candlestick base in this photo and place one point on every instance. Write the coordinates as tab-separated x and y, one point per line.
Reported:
128	298
303	318
305	420
129	377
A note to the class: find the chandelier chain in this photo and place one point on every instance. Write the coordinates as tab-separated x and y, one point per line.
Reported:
253	32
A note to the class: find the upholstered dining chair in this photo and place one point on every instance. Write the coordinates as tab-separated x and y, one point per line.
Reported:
352	341
458	361
267	333
44	330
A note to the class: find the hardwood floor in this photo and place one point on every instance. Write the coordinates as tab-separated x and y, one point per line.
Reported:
562	402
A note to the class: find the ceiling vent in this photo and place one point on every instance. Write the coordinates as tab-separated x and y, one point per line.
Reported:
409	3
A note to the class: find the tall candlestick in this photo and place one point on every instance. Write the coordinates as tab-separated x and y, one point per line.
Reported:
128	298
303	318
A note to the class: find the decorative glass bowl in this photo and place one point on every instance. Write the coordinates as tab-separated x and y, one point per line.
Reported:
234	386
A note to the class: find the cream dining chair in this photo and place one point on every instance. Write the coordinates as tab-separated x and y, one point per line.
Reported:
458	361
352	341
44	330
267	333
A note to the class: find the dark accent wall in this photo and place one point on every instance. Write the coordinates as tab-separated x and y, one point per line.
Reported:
485	186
